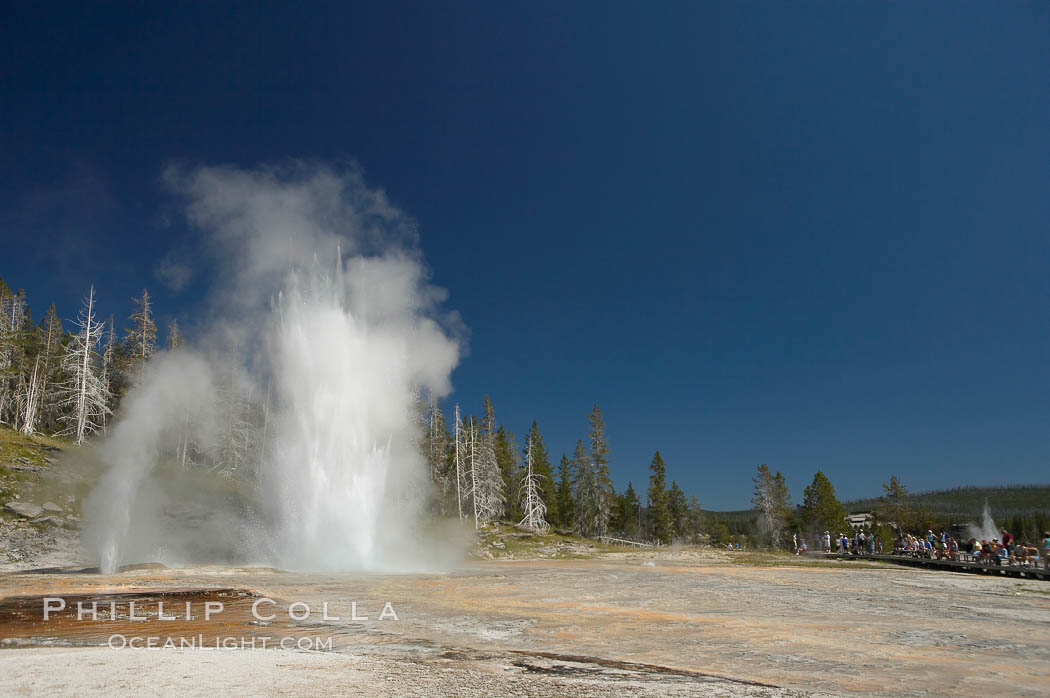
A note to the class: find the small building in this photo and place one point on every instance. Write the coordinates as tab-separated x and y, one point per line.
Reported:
860	519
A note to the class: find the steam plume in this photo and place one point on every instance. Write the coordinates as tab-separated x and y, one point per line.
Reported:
323	321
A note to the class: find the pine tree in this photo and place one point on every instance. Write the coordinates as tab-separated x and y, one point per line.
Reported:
457	463
473	460
238	438
174	336
435	452
633	527
606	494
141	340
24	368
716	529
678	511
493	490
510	469
29	400
486	484
488	421
659	515
188	452
821	510
566	503
696	517
51	334
470	443
625	519
84	392
619	518
13	314
541	464
782	497
112	378
771	499
6	347
893	505
587	521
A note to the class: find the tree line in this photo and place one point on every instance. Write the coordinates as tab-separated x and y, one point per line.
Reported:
481	474
895	512
67	378
69	381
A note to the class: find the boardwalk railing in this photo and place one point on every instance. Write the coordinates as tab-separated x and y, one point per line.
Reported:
1008	570
621	541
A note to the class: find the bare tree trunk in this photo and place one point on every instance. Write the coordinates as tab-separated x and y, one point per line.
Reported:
535	509
31	402
47	356
474	469
82	401
87	393
459	476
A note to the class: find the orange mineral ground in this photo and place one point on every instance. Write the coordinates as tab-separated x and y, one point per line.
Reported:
656	624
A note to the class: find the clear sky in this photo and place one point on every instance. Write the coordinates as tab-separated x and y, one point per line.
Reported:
813	235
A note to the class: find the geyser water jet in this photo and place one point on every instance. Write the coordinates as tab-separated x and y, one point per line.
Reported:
987	530
344	467
332	478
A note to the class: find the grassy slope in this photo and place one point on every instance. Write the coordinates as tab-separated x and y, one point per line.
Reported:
14	445
519	544
34	449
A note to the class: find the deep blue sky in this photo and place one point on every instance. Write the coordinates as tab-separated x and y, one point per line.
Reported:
813	235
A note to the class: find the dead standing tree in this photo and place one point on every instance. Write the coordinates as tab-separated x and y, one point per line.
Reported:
531	501
86	395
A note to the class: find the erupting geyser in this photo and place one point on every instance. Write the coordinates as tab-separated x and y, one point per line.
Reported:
324	448
987	530
345	467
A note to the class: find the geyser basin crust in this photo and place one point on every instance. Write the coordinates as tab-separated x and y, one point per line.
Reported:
809	629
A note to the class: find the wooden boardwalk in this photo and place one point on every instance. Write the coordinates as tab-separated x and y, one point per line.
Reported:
1040	572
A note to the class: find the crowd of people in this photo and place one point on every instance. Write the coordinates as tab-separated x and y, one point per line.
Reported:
1004	550
860	543
931	546
997	551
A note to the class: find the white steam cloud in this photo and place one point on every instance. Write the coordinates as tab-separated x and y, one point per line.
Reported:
322	331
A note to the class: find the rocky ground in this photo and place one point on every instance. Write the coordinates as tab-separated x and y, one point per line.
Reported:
291	673
39	504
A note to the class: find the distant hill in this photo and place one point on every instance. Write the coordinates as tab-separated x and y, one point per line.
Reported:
965	503
968	502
